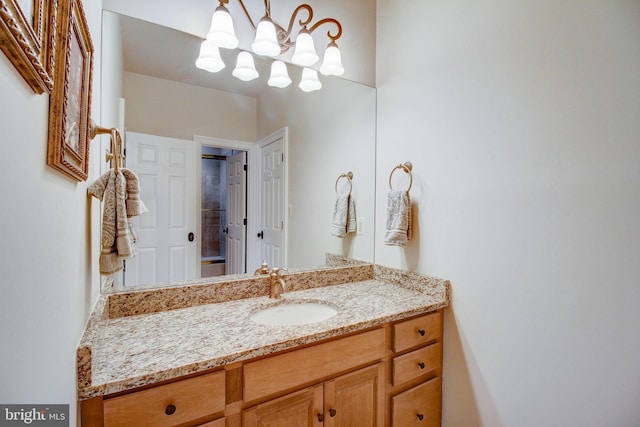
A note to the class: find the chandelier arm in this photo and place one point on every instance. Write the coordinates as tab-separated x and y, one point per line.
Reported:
328	21
301	23
246	12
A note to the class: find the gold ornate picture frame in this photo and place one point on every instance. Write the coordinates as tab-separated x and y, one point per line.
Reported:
70	100
26	39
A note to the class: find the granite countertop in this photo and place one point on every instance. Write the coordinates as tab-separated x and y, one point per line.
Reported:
139	338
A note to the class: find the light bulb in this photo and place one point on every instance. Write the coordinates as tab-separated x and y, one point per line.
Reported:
309	81
221	32
305	52
245	68
209	58
266	41
279	75
332	61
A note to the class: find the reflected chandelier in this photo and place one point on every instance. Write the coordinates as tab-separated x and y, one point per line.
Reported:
272	40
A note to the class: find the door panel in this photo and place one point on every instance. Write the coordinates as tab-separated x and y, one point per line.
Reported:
236	213
167	173
298	409
271	243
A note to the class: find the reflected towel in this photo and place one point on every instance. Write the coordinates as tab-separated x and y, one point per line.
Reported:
120	194
344	216
398	230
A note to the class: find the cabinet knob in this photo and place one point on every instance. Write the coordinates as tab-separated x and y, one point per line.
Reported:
421	365
420	416
421	332
320	418
170	409
332	412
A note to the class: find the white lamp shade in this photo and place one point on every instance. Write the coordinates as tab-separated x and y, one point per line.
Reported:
279	75
305	52
245	68
221	32
309	81
332	61
209	58
266	41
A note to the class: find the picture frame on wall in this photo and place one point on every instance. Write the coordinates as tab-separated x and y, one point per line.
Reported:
26	39
70	100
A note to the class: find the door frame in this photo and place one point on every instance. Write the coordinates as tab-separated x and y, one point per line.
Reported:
284	134
253	185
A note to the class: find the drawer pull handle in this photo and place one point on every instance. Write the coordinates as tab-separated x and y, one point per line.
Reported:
421	365
320	418
421	332
420	416
332	412
170	409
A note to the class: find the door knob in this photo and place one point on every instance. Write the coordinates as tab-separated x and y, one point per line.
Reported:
261	234
191	236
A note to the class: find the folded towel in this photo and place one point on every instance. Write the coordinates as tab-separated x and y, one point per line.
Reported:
120	194
398	230
134	204
344	216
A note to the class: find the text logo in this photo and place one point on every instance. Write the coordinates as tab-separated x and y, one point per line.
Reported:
34	415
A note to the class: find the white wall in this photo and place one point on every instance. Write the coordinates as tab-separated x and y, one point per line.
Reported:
163	107
49	282
331	131
522	121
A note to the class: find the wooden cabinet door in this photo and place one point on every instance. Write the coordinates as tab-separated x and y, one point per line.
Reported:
299	409
355	399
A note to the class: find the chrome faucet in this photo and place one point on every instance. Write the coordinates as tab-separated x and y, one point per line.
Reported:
264	269
277	285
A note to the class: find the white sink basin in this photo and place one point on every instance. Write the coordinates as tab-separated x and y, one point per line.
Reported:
293	313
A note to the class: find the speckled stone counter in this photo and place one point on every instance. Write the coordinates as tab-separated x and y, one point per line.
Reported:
142	337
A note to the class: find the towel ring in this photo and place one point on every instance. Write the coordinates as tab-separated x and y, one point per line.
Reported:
349	176
406	167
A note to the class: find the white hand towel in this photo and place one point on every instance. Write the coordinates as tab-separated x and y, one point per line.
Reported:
398	230
344	216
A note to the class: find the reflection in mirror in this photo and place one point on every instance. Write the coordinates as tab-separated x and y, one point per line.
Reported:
151	88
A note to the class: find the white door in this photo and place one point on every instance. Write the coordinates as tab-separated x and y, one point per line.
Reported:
271	236
166	243
236	213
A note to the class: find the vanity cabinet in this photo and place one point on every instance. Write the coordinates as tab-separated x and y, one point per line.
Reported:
416	380
354	399
389	375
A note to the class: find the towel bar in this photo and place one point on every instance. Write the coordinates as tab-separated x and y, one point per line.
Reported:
406	167
116	153
349	176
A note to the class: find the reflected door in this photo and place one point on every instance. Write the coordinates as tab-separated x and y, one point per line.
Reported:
236	213
167	173
271	236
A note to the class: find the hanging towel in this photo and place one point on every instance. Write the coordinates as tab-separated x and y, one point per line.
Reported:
134	204
344	216
120	194
398	230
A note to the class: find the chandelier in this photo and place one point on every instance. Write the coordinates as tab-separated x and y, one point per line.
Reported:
272	40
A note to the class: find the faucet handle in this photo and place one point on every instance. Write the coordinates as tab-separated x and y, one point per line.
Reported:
276	271
264	269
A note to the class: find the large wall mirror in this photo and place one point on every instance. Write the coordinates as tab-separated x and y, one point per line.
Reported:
151	86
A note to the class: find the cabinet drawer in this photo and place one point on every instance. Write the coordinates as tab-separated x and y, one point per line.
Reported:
418	362
414	332
419	406
168	404
296	368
